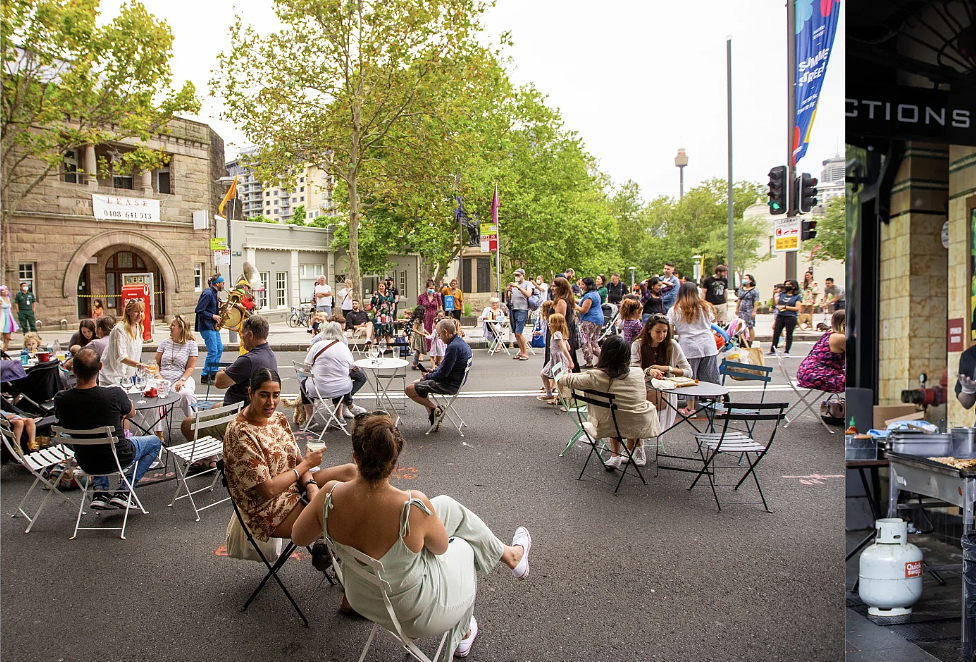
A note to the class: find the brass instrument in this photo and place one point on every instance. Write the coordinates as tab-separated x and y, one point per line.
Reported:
239	305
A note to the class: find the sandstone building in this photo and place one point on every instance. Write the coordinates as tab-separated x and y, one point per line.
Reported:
70	256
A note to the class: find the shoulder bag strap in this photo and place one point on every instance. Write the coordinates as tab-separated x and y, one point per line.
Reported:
319	353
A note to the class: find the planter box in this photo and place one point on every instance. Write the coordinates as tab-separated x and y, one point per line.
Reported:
468	321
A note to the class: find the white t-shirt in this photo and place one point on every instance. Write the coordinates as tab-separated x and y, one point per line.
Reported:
330	370
323	301
120	346
345	298
694	337
544	289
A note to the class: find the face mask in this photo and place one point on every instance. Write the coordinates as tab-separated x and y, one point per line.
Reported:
430	291
538	281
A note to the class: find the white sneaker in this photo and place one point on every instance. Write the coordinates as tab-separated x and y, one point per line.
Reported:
786	355
464	646
524	540
613	463
640	457
355	409
347	412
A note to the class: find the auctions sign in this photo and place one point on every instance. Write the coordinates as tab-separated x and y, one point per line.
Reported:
114	208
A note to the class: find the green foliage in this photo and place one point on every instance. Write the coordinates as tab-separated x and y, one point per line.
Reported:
261	219
69	81
298	217
831	233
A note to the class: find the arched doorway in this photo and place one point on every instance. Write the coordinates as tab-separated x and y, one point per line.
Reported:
129	262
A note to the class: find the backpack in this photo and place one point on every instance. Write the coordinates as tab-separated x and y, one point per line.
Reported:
535	300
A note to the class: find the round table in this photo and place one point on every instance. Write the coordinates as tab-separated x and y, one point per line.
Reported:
700	391
165	403
381	387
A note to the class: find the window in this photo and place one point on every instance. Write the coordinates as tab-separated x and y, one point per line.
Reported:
402	284
311	214
26	273
261	296
301	180
267	194
70	167
121	181
163	184
281	283
198	277
276	203
301	189
294	199
276	193
307	275
302	199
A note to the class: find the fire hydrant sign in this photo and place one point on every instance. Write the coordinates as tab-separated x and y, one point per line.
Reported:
786	234
115	208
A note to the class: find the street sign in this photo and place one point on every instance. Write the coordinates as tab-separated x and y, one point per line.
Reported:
221	258
489	237
218	244
786	234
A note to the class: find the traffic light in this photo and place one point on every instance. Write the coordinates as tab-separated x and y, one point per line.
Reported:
808	229
808	192
777	190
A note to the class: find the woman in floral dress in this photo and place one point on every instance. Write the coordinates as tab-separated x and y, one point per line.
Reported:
382	305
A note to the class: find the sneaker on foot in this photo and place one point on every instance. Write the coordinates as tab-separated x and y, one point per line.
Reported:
430	416
100	502
524	540
613	463
771	352
356	409
786	355
438	417
121	500
464	646
347	412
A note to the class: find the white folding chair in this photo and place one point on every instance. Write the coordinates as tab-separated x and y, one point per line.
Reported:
107	437
495	340
320	406
369	570
201	448
808	398
448	405
37	463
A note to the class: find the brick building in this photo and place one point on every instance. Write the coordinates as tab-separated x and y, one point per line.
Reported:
70	256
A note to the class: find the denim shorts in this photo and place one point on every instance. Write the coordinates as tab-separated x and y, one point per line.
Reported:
519	318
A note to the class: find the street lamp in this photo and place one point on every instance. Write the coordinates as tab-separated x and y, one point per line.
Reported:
697	267
632	269
680	161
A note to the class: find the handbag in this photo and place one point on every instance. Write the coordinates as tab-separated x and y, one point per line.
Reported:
239	548
832	410
754	356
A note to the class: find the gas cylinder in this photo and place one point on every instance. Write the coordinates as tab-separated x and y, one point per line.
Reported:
891	570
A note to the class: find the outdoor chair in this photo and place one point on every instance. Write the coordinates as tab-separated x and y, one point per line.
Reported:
205	403
321	406
106	437
744	372
48	466
494	338
605	400
733	442
273	568
370	571
574	411
808	398
447	402
200	449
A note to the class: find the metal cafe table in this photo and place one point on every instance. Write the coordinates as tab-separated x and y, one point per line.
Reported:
701	392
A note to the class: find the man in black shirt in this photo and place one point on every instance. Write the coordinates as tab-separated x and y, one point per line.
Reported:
236	376
615	290
358	322
88	406
715	286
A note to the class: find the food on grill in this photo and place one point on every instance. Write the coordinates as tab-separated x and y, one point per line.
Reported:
953	462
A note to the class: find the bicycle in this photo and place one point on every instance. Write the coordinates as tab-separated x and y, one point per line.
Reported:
300	316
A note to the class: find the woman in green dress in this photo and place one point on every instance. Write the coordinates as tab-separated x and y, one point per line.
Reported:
382	305
431	549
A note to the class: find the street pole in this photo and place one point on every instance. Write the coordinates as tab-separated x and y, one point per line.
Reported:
791	205
728	58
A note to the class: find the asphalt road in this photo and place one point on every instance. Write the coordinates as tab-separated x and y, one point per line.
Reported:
654	572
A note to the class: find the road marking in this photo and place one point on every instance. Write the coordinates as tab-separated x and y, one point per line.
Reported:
814	479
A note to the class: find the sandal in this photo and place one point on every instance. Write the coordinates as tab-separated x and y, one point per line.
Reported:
543	398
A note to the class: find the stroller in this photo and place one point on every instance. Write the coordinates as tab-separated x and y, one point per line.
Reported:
611	319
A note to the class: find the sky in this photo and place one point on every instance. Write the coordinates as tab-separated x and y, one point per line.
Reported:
634	79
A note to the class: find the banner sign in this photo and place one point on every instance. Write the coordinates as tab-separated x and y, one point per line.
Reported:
114	208
911	113
816	25
218	243
489	237
786	234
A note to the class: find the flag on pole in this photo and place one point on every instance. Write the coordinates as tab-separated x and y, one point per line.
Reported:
494	207
815	28
231	193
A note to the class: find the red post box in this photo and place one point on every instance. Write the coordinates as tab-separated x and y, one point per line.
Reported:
141	292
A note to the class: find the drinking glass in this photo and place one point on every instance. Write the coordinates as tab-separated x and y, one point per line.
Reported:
126	382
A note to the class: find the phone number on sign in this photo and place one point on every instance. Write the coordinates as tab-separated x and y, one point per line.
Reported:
128	215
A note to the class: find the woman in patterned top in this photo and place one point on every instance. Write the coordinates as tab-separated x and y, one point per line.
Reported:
630	313
823	368
266	473
745	307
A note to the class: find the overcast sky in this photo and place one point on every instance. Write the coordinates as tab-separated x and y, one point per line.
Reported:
635	79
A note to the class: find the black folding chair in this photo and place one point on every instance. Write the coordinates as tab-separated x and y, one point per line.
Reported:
273	568
605	400
735	442
38	388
